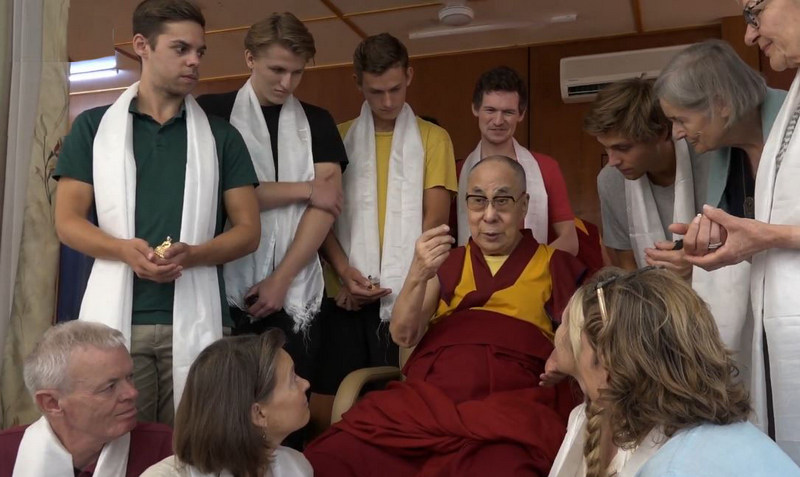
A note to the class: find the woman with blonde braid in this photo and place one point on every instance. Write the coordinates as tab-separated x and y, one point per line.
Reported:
663	397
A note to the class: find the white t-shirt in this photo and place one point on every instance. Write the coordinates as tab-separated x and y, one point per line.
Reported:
614	207
570	461
286	462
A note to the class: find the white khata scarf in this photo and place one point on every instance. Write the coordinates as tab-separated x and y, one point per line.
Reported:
535	219
644	223
41	454
724	290
774	278
196	318
278	226
357	226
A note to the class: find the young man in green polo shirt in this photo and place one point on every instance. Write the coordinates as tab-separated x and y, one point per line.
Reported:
166	133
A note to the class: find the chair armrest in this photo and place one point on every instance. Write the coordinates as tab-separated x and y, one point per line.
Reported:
353	383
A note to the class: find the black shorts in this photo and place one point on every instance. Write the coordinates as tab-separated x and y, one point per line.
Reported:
301	346
346	341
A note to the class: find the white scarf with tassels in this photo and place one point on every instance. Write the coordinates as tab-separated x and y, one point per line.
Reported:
196	309
357	226
279	225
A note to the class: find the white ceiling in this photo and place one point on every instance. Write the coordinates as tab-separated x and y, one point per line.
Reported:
96	27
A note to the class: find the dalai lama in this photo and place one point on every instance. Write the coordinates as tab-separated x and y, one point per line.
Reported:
481	317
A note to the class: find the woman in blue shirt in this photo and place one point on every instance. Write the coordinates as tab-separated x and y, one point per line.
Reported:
660	384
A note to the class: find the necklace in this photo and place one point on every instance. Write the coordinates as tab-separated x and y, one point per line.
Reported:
749	203
787	136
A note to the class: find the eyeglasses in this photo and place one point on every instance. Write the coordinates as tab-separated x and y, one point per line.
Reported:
500	203
601	296
752	11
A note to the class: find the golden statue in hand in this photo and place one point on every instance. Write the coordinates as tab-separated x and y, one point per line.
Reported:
163	247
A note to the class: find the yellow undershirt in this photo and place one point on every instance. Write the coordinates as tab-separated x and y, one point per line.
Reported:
495	262
440	169
525	300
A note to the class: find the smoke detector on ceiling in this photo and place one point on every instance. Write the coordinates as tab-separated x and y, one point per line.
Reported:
456	15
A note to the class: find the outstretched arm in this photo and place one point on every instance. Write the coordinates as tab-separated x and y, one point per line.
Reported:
417	300
740	238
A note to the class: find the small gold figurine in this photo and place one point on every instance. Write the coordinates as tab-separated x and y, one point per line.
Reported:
163	247
373	282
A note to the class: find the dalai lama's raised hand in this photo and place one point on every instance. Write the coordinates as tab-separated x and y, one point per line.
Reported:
431	250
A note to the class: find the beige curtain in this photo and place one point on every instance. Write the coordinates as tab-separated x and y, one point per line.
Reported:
34	289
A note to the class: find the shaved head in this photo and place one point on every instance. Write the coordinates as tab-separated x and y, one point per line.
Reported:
516	168
497	232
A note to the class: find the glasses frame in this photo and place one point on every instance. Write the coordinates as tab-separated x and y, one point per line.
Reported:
601	296
491	201
750	16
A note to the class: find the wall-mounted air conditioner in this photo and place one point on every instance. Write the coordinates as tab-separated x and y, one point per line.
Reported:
583	76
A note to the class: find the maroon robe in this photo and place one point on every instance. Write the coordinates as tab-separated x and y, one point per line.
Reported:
590	246
470	405
150	443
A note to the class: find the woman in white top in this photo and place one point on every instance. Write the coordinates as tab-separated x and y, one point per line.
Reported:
575	355
242	398
659	384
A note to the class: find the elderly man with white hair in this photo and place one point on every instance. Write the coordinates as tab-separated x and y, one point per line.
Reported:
80	375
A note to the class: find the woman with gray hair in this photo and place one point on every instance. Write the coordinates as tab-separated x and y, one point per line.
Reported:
725	111
771	237
720	104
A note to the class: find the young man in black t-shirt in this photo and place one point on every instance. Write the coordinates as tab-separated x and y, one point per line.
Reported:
277	51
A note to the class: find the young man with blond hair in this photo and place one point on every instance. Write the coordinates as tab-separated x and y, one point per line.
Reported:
650	182
643	163
299	158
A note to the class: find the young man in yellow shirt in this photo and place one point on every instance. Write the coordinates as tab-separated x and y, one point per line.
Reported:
400	182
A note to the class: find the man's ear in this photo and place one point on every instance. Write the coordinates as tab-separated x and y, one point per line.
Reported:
48	402
249	59
409	75
526	202
474	110
358	83
140	45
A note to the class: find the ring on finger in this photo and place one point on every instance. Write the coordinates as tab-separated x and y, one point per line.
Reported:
714	246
